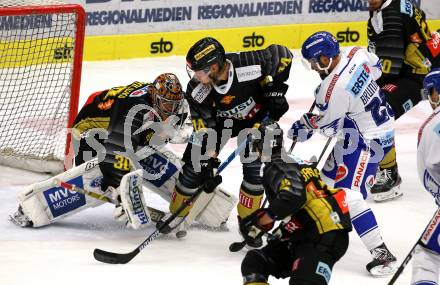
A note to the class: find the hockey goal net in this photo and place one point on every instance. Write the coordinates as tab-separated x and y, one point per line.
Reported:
41	46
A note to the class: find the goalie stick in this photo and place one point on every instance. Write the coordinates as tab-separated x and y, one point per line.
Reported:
123	258
411	252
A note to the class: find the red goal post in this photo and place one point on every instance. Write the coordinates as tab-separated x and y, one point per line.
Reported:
41	49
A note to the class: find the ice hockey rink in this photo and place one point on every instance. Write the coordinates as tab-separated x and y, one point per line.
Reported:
62	253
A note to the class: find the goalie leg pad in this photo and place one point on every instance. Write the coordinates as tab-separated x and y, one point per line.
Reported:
44	203
170	165
133	201
218	209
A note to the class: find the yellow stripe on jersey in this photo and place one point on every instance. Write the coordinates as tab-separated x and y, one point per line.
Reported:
320	210
322	216
92	123
310	210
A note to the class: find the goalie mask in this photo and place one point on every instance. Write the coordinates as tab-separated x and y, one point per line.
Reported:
169	95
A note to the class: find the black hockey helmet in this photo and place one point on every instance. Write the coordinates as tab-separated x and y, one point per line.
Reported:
204	53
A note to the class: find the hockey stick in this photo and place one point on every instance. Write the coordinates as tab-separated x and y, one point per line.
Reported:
83	191
294	140
123	258
411	252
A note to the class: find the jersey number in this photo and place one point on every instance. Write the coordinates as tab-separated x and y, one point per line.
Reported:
386	65
379	115
122	163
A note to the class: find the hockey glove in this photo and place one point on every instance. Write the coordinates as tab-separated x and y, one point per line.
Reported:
275	89
277	103
287	228
212	183
299	132
209	170
310	120
256	224
277	107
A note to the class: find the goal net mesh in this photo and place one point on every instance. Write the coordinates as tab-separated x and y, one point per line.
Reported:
36	72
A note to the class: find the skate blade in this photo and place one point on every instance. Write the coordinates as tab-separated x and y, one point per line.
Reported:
384	197
384	270
19	222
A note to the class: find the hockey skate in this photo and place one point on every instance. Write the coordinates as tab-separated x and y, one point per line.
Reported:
20	219
383	264
387	186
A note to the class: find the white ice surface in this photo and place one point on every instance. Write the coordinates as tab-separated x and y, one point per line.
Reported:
62	253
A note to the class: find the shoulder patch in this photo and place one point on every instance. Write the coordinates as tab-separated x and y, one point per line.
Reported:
406	7
139	92
200	92
247	73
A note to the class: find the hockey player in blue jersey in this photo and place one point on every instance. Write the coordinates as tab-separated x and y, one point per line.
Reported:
426	263
351	108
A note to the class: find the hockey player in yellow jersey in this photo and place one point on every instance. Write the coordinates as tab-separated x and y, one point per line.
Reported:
313	234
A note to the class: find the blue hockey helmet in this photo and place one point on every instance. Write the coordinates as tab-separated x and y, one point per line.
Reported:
320	43
431	81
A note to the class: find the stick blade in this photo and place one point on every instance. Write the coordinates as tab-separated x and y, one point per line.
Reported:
237	246
111	257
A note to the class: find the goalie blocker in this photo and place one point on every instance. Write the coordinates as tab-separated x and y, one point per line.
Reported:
45	202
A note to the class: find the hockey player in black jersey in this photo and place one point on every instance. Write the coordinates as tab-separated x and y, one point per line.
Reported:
110	109
116	132
228	93
408	49
313	234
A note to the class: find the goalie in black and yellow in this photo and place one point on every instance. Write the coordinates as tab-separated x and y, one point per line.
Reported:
314	232
120	137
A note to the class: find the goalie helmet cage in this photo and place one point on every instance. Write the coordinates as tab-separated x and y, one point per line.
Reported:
41	49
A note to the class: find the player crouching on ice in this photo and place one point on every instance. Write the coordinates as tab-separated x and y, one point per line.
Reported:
313	234
118	131
352	108
426	263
